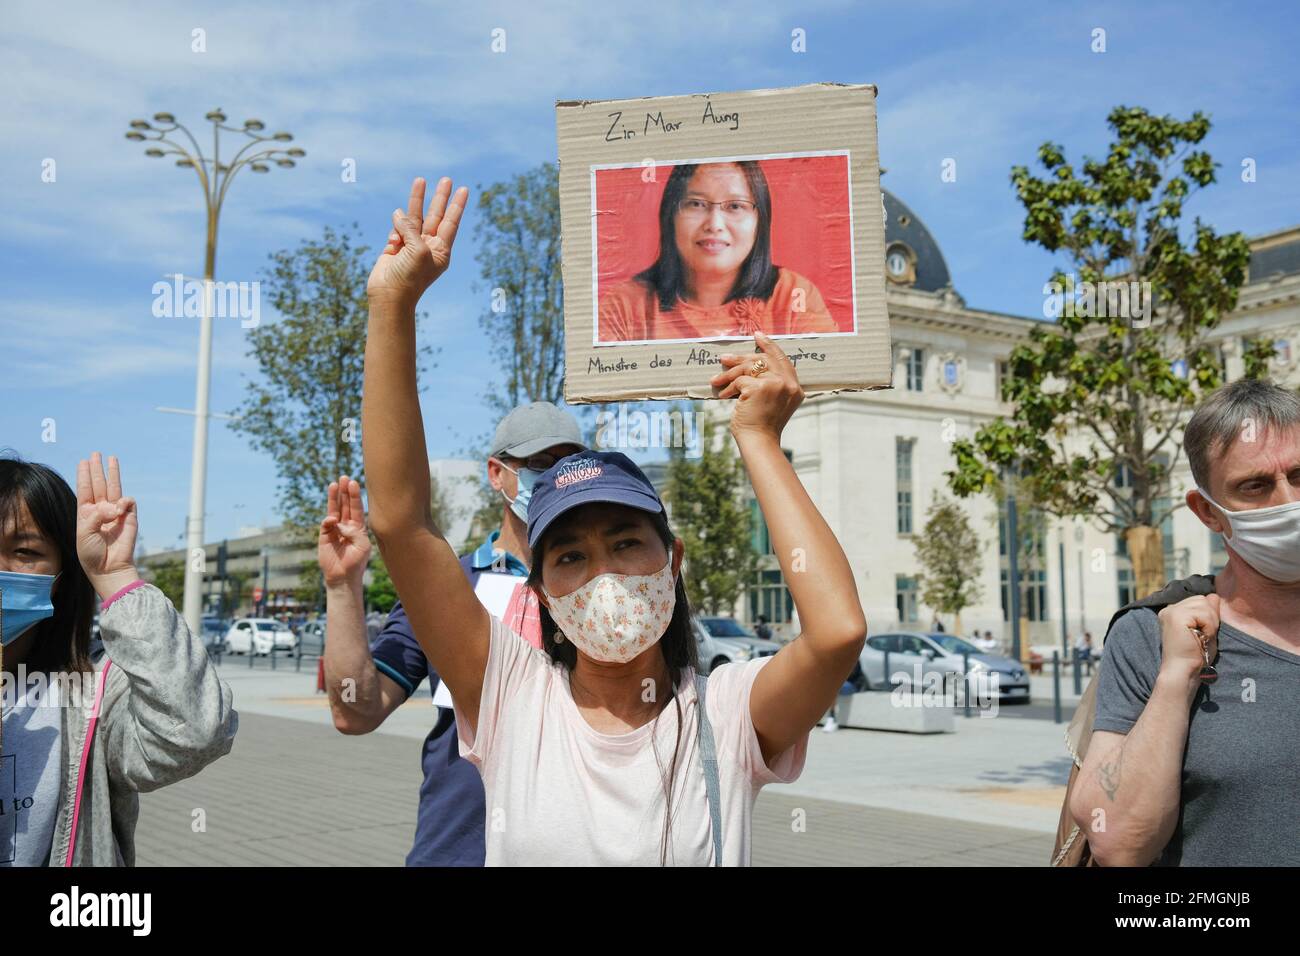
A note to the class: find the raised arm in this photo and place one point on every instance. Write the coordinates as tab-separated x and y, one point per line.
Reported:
449	623
792	692
166	714
360	697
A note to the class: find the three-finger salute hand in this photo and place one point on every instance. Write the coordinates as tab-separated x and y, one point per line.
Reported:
419	246
767	386
344	546
106	526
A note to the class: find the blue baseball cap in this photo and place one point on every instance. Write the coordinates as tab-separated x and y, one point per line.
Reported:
585	477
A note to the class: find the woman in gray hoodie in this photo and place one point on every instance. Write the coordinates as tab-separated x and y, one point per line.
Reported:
85	731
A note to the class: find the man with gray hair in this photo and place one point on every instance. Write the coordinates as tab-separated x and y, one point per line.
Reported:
1195	753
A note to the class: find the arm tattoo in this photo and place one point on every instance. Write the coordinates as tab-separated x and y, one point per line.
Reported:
1108	775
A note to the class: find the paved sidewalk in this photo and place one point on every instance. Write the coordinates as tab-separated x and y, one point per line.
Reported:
993	771
296	793
842	834
998	771
291	694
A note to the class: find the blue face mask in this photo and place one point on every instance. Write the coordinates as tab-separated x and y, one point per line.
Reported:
526	478
25	601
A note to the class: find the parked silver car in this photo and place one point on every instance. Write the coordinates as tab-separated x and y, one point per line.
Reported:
913	653
720	640
312	633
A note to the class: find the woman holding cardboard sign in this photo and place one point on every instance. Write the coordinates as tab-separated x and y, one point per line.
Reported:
714	275
603	747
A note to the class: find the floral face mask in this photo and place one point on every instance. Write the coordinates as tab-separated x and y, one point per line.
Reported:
614	617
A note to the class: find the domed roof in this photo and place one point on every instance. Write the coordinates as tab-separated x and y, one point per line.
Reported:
902	225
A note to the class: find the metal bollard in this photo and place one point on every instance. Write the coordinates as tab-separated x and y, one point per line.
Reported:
1056	685
274	655
1078	672
252	648
965	678
297	658
889	683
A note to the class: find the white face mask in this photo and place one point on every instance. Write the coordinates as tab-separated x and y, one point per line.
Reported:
1268	539
614	617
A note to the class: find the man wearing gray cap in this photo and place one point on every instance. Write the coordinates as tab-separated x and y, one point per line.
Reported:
449	828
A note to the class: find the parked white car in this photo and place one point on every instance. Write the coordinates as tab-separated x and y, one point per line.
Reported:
721	640
260	635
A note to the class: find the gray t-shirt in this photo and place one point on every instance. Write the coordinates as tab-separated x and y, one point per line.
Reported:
1241	765
29	778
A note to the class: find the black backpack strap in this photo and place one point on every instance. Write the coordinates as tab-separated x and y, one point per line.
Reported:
1171	593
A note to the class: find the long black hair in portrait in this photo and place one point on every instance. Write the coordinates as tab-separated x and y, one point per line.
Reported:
677	646
758	274
62	642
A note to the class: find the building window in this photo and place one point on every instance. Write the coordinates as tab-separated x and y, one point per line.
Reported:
1127	586
905	598
1004	377
903	478
1031	528
1035	595
915	370
770	597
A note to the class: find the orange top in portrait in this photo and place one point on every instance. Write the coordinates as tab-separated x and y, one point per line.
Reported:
629	312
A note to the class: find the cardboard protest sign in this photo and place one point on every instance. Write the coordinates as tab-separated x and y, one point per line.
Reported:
691	221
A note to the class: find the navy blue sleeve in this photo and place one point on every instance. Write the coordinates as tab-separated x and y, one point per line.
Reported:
397	654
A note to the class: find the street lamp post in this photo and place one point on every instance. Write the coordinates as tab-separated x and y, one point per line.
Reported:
214	178
1065	646
266	581
1078	539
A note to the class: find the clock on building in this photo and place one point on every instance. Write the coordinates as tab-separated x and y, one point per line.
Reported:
900	263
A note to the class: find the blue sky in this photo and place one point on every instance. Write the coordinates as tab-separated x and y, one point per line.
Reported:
414	89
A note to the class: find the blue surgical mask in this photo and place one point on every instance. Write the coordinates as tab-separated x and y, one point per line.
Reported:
527	477
25	601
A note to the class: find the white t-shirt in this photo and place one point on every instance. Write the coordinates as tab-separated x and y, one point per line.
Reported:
559	793
29	777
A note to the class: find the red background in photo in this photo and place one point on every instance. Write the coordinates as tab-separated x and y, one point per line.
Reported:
810	225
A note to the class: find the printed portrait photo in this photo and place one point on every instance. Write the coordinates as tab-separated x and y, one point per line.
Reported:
722	247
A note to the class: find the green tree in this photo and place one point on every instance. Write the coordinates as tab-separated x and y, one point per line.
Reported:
380	593
949	552
517	233
1100	396
304	408
169	578
1258	353
710	514
311	589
